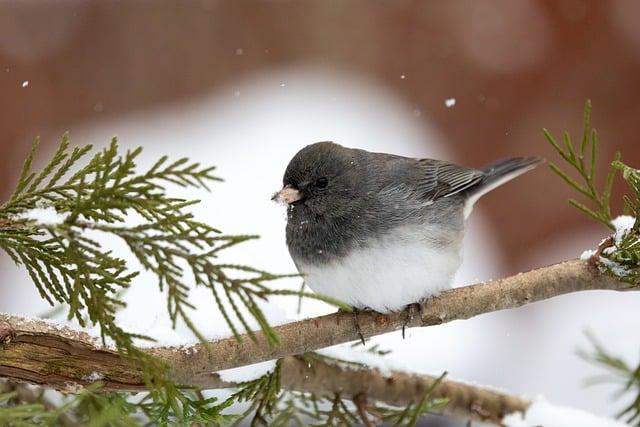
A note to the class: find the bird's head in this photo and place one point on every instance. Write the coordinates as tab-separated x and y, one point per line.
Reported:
325	178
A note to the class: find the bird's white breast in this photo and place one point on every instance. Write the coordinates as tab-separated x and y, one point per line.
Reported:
401	268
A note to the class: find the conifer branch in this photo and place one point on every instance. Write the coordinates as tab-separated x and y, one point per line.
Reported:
49	227
619	254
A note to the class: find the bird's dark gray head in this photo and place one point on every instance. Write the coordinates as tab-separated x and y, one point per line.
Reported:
324	178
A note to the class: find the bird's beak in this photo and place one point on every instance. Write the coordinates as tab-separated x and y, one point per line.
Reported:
287	195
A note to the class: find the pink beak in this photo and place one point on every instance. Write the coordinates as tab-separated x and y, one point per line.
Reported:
287	195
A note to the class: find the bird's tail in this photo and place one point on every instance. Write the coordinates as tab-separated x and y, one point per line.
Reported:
499	173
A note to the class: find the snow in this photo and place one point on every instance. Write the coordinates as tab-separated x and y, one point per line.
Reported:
623	224
247	373
93	376
543	413
44	216
586	255
350	354
25	83
614	267
450	102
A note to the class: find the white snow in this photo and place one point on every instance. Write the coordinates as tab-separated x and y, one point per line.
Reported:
450	102
93	376
359	354
247	373
614	267
44	216
623	224
543	413
587	254
25	83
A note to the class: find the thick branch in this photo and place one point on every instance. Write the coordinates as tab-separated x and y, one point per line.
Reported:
398	389
57	357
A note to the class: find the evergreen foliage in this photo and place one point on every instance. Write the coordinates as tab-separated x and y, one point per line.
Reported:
583	160
618	255
273	406
101	193
621	373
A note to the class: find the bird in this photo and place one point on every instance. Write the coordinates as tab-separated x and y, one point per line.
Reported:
380	231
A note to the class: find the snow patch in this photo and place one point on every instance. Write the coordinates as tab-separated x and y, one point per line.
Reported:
44	216
614	267
623	224
93	376
348	354
543	413
586	255
247	373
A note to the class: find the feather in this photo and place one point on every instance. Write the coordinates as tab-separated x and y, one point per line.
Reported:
442	179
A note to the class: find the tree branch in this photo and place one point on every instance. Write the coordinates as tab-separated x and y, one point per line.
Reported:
58	357
337	328
398	389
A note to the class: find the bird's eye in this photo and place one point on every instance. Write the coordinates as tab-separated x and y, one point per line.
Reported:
322	182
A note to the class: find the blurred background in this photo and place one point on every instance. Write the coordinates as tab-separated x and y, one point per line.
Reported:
245	84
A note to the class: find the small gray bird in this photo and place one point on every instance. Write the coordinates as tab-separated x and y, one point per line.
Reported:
377	230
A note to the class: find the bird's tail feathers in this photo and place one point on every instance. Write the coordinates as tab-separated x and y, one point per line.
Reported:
499	173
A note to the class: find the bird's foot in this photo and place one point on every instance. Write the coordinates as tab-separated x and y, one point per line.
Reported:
356	324
410	314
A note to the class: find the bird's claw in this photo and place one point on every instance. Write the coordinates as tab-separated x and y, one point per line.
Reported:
410	314
356	324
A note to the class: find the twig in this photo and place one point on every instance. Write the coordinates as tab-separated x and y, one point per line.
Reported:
360	400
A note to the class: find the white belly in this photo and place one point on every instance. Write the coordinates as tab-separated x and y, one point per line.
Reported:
389	274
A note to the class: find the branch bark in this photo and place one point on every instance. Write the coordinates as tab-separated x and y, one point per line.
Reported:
399	389
337	328
58	357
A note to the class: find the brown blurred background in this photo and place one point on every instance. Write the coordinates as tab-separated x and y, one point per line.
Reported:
513	67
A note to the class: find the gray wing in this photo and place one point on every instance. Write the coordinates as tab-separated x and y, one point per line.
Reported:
442	179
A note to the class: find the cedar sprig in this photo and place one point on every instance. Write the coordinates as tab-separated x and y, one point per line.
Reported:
619	372
91	407
411	414
101	193
68	265
582	160
617	255
273	406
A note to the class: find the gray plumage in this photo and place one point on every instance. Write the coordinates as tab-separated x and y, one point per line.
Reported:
351	198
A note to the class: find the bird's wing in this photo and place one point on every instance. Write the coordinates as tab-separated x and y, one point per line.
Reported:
441	179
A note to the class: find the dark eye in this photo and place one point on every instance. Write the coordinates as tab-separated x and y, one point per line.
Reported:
322	182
